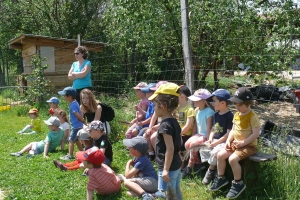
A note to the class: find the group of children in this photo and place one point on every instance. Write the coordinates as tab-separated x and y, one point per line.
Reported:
165	126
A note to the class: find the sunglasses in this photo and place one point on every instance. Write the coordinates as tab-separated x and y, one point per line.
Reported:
76	53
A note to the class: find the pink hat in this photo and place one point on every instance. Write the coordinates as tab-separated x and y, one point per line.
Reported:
140	85
158	84
200	94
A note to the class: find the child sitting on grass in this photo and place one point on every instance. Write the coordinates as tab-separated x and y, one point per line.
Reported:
222	125
143	105
96	130
52	140
240	144
101	177
53	103
85	138
35	124
168	141
140	176
64	125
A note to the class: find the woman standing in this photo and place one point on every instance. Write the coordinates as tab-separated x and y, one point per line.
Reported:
80	72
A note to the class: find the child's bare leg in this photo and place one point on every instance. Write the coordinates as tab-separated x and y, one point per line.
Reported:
71	147
134	187
135	132
153	140
235	166
222	156
79	146
27	148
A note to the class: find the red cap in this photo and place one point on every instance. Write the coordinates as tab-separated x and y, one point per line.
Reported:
93	155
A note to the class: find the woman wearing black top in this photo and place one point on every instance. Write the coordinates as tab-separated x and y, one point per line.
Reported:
91	108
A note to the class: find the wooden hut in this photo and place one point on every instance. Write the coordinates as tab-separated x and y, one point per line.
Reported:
59	54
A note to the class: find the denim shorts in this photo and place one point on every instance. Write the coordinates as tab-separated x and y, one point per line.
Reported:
175	177
73	135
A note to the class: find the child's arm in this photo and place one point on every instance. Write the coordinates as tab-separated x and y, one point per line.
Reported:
221	140
103	150
98	113
89	194
168	156
80	118
188	125
209	123
46	148
143	112
248	140
142	123
230	138
129	173
194	129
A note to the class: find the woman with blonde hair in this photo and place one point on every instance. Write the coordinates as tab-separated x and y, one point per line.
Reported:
91	108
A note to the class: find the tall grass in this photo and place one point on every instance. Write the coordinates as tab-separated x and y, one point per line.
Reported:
37	178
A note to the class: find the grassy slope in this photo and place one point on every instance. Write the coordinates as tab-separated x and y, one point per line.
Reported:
37	178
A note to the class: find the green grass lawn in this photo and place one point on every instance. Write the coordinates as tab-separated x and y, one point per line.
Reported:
37	178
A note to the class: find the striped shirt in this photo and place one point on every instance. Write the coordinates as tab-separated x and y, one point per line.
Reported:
103	180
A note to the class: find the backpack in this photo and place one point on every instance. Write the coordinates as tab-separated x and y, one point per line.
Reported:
108	113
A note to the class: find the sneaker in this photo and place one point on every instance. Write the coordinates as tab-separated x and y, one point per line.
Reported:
18	154
159	194
147	196
236	189
186	172
67	157
209	175
19	132
63	168
198	167
56	163
218	183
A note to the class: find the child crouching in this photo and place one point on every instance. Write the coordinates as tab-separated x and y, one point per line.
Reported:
141	179
101	177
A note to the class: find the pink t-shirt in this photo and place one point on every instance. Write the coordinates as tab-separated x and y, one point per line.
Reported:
103	180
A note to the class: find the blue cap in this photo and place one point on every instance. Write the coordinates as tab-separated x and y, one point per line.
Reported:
147	88
68	91
53	100
221	94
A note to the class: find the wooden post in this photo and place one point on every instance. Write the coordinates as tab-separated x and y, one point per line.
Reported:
187	52
79	40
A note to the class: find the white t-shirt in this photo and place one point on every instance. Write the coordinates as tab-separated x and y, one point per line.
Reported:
64	126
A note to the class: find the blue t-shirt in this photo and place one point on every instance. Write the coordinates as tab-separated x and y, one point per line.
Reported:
149	113
145	166
201	119
74	107
54	139
85	81
224	122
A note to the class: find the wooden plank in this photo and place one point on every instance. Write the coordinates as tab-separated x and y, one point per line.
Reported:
31	50
262	157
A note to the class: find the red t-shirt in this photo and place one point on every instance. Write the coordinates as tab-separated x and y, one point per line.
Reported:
103	180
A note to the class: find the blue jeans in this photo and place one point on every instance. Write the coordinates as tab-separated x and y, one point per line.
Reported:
175	177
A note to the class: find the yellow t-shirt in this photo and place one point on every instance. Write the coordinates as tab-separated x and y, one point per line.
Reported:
37	124
182	116
244	124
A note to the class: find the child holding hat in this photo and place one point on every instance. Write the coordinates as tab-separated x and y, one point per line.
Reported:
101	177
140	176
53	103
52	140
